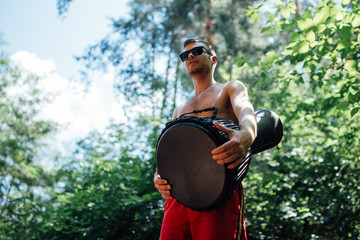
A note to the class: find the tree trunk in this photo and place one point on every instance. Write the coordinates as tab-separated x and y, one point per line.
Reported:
166	82
298	7
176	84
153	84
209	24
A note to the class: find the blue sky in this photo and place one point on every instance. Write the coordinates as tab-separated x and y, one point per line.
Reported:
35	26
40	41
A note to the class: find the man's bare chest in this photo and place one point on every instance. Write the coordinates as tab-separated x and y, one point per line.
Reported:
209	99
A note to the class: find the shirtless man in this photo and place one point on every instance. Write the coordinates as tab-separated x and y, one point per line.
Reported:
233	103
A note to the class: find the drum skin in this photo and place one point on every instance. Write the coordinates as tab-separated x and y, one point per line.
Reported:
183	157
199	171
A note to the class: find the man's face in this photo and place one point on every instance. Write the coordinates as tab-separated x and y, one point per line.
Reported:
197	64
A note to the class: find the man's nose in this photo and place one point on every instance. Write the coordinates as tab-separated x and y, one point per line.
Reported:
191	55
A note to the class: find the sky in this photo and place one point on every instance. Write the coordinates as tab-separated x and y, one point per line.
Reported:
40	41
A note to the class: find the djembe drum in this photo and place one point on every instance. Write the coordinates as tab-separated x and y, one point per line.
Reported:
183	157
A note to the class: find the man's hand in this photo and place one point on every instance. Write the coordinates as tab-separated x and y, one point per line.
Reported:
162	186
234	150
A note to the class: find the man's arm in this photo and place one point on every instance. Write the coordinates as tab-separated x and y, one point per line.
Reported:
240	141
243	108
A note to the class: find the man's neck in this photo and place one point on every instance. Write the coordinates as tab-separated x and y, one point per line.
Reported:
202	83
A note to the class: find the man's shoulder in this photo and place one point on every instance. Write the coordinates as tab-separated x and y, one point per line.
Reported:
234	85
177	111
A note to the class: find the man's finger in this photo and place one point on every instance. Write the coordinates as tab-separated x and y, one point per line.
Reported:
235	163
163	187
234	152
222	128
165	192
224	154
223	148
230	159
160	181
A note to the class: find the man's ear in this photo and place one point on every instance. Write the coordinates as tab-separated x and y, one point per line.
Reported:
214	59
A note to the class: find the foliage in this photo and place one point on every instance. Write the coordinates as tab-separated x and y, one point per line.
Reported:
22	180
106	192
63	6
323	48
308	188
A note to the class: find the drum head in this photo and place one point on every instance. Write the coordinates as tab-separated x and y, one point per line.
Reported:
184	158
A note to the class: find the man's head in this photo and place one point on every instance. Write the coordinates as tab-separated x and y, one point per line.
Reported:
206	45
198	56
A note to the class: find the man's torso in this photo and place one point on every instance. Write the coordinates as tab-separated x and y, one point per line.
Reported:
214	96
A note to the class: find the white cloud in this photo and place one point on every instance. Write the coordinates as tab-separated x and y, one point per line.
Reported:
80	112
30	62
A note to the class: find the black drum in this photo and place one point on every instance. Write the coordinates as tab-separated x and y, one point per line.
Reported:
269	132
184	158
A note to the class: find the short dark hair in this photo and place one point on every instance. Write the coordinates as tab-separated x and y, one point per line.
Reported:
207	45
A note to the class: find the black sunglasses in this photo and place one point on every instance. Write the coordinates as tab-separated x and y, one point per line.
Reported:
196	51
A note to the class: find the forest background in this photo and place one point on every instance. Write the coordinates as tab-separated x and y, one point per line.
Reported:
297	58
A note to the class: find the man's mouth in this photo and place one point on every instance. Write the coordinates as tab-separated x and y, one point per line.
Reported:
192	62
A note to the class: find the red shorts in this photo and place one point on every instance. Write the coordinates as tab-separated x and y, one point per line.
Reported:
182	223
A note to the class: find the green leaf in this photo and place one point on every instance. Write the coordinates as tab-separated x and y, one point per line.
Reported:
345	2
346	32
289	50
271	31
240	61
324	3
294	37
292	7
147	197
255	16
357	96
321	16
333	56
310	36
265	29
343	104
62	198
355	21
305	24
271	19
272	54
340	46
278	26
254	63
350	65
249	12
354	111
331	26
321	28
259	5
285	12
302	47
314	44
351	98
